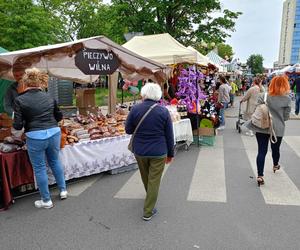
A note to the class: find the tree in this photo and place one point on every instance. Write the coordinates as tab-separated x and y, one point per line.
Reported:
26	24
88	18
225	51
255	63
188	21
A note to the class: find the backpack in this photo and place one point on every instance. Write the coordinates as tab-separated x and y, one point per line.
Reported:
262	118
261	115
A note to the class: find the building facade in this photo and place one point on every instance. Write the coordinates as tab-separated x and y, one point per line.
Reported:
289	52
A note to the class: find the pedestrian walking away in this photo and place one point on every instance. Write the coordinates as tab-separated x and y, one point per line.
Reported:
234	89
223	100
39	114
279	105
152	144
251	99
296	85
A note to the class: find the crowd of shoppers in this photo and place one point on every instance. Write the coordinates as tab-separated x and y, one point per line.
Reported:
150	125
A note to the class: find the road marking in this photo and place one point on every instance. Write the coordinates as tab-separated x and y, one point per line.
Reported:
294	143
77	188
208	182
279	188
134	188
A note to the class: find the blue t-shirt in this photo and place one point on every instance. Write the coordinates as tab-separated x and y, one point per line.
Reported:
43	134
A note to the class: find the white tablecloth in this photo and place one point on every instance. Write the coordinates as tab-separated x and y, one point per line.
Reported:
93	157
183	131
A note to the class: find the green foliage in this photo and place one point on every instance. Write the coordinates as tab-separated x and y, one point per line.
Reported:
30	23
188	21
225	51
25	25
255	63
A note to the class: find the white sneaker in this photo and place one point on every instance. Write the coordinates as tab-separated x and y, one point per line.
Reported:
42	204
63	195
249	133
221	128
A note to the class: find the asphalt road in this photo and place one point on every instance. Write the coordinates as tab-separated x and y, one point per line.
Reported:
208	200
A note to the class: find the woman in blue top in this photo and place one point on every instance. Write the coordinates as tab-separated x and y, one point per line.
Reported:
153	143
38	113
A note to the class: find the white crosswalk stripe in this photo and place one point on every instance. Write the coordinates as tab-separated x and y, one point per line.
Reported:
134	188
208	183
78	187
294	143
279	188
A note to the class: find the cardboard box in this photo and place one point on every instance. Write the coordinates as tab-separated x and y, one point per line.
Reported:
85	98
205	132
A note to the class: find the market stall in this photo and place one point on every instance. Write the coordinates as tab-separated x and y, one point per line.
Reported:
218	61
15	171
162	48
201	59
93	142
187	93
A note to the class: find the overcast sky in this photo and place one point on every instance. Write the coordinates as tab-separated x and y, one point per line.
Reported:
258	29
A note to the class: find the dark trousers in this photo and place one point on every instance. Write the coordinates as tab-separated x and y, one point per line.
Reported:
297	103
151	170
263	142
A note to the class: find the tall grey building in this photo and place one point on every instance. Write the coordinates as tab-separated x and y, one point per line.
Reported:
290	33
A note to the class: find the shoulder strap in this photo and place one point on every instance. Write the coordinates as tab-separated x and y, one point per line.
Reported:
273	137
265	97
142	119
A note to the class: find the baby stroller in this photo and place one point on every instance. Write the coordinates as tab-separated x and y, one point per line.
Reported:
241	120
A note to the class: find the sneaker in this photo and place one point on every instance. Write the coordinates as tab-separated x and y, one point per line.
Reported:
221	128
42	204
249	133
63	195
147	218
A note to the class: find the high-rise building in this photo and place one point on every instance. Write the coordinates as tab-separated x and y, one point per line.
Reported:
290	33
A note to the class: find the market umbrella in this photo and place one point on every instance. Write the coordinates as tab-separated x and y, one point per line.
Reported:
59	61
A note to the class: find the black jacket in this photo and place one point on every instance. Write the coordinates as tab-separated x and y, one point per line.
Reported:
36	110
297	84
9	98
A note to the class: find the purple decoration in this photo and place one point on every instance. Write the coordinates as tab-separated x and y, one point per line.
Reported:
189	90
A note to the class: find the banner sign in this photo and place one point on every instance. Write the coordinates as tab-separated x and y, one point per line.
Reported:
96	61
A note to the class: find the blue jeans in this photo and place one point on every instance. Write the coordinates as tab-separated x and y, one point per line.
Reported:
222	113
263	142
39	151
297	103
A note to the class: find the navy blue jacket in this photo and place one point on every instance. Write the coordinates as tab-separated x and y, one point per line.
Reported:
155	136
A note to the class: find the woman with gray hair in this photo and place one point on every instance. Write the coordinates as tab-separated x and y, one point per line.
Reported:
153	142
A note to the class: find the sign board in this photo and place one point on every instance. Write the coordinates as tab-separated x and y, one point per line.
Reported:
96	61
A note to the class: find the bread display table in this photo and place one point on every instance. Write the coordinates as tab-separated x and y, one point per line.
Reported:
93	157
15	171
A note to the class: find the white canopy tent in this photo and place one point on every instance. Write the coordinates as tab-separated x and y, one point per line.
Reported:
201	59
218	61
162	48
58	60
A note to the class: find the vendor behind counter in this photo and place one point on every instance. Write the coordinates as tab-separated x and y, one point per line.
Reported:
9	98
169	92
